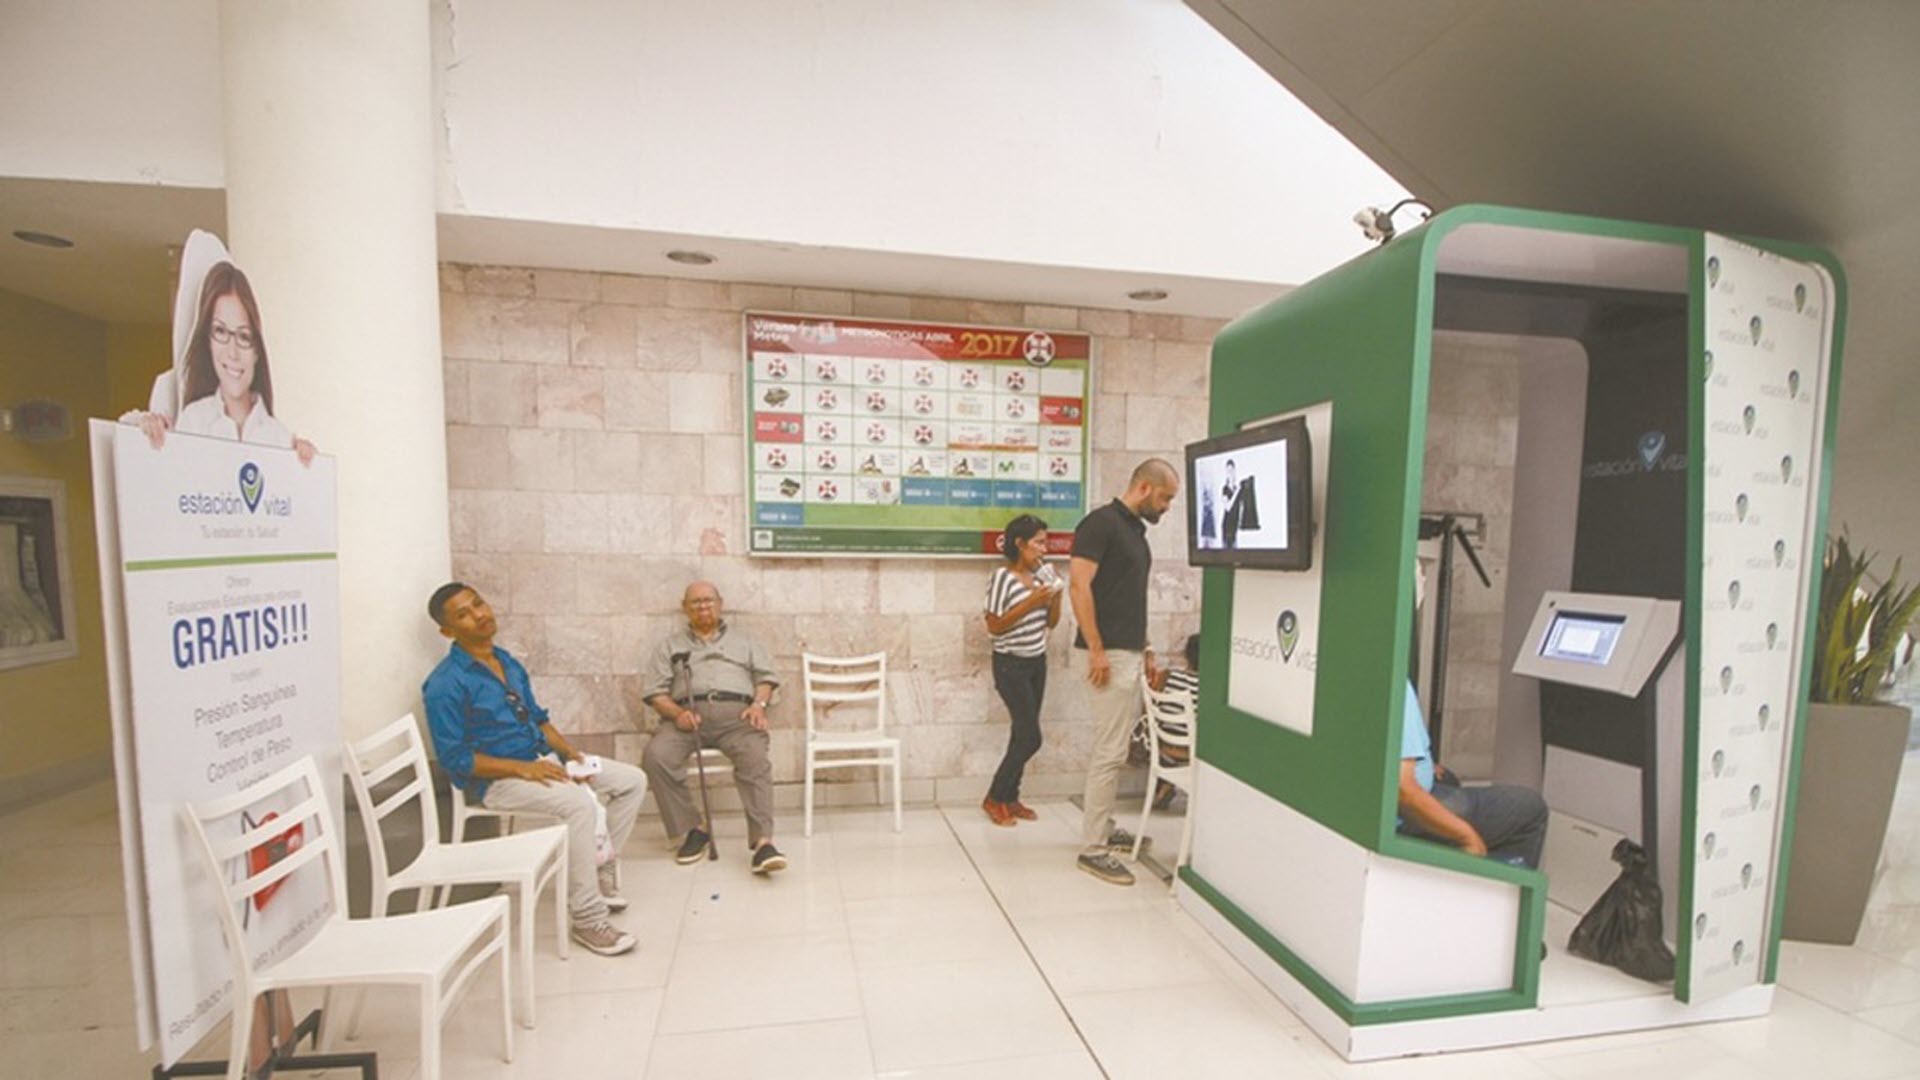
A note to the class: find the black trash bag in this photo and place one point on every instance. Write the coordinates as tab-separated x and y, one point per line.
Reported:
1622	929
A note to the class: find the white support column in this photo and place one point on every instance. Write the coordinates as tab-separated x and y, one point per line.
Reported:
330	210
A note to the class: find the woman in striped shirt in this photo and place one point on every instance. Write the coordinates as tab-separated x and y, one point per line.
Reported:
1023	603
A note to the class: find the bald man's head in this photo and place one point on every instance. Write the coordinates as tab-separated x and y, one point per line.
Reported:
1151	488
701	602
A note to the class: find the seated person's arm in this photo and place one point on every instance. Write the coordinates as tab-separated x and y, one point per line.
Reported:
488	767
559	742
671	711
1420	808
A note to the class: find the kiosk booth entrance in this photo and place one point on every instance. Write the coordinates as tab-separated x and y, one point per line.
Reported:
1671	410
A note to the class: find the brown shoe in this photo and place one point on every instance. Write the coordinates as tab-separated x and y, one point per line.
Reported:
998	812
1022	811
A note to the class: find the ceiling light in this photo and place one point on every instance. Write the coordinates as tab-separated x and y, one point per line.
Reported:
1147	295
690	258
28	236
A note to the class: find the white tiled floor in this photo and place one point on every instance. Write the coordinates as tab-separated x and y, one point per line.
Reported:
951	950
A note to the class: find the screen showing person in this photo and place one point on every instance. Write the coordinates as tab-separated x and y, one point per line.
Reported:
1252	501
1243	497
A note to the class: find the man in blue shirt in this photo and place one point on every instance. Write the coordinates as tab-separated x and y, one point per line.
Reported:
1500	821
503	752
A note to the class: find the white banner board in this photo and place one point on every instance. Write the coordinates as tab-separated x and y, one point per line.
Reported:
229	665
1768	334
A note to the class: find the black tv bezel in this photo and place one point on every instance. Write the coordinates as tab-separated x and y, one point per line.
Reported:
1298	554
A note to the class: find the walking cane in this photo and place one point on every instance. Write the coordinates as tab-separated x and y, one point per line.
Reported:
706	808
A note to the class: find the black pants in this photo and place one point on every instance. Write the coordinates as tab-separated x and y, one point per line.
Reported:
1022	683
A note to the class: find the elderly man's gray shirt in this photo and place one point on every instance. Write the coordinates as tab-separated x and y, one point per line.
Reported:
731	662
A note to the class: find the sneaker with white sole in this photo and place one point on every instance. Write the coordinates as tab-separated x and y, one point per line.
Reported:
610	888
767	859
1107	868
604	938
1122	840
693	848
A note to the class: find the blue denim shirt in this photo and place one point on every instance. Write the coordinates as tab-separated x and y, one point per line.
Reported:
470	711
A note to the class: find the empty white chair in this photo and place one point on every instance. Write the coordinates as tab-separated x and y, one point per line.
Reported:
855	682
524	863
1170	722
437	953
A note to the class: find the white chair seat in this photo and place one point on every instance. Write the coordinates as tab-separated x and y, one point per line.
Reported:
1170	719
857	683
481	862
410	948
522	863
436	953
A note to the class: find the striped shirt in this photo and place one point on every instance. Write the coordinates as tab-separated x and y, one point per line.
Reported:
1028	637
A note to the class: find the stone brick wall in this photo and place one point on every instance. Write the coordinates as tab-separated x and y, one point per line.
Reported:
1472	430
596	460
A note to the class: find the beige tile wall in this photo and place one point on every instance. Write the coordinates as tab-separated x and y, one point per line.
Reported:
1472	428
596	457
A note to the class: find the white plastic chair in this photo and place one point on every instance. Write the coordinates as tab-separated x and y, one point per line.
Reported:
435	952
834	681
1170	720
524	863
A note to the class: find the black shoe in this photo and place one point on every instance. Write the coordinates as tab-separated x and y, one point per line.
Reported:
694	849
768	859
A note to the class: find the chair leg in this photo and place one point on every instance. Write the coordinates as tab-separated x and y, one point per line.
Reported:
430	1020
242	1021
506	998
559	879
527	896
896	789
326	1036
1146	805
808	796
1186	839
353	1015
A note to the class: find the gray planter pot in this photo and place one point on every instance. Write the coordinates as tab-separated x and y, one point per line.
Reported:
1848	768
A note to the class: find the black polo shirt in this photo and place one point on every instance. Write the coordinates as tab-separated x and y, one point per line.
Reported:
1116	538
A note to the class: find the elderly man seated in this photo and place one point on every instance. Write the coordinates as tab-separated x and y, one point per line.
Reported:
711	683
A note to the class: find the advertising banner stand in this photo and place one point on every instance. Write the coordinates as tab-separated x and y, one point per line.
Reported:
221	591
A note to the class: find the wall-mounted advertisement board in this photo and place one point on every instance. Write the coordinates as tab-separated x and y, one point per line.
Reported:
877	437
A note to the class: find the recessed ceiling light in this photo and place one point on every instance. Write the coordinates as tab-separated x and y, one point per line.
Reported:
691	258
28	236
1147	295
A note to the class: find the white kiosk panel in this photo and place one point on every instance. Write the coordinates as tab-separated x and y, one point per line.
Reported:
1610	643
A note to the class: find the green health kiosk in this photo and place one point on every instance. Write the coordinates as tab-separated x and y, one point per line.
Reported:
1665	400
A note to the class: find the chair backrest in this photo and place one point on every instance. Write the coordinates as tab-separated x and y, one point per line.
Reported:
307	817
394	754
833	681
1170	714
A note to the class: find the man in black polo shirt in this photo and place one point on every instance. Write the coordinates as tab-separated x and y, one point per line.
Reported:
1108	586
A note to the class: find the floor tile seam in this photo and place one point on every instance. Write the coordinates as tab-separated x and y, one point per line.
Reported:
1052	991
1863	1017
853	956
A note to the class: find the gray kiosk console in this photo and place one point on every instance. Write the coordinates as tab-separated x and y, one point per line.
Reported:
1612	711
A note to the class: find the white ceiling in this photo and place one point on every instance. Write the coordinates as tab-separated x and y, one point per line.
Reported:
1793	121
121	266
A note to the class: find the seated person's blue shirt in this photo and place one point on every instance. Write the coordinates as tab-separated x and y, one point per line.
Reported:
1414	742
470	711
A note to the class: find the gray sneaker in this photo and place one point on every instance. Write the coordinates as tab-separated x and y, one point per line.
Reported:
604	938
1122	840
1107	869
610	888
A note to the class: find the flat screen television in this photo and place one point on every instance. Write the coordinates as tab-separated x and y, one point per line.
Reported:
1250	498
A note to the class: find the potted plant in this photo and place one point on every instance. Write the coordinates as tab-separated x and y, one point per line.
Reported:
1852	748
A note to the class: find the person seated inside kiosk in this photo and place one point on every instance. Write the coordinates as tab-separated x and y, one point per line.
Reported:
1500	821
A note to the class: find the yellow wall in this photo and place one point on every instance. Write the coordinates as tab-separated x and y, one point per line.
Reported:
56	713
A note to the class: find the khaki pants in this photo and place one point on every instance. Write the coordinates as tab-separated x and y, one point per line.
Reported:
1114	709
623	787
665	760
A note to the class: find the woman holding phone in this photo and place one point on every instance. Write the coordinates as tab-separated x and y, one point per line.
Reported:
1022	605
